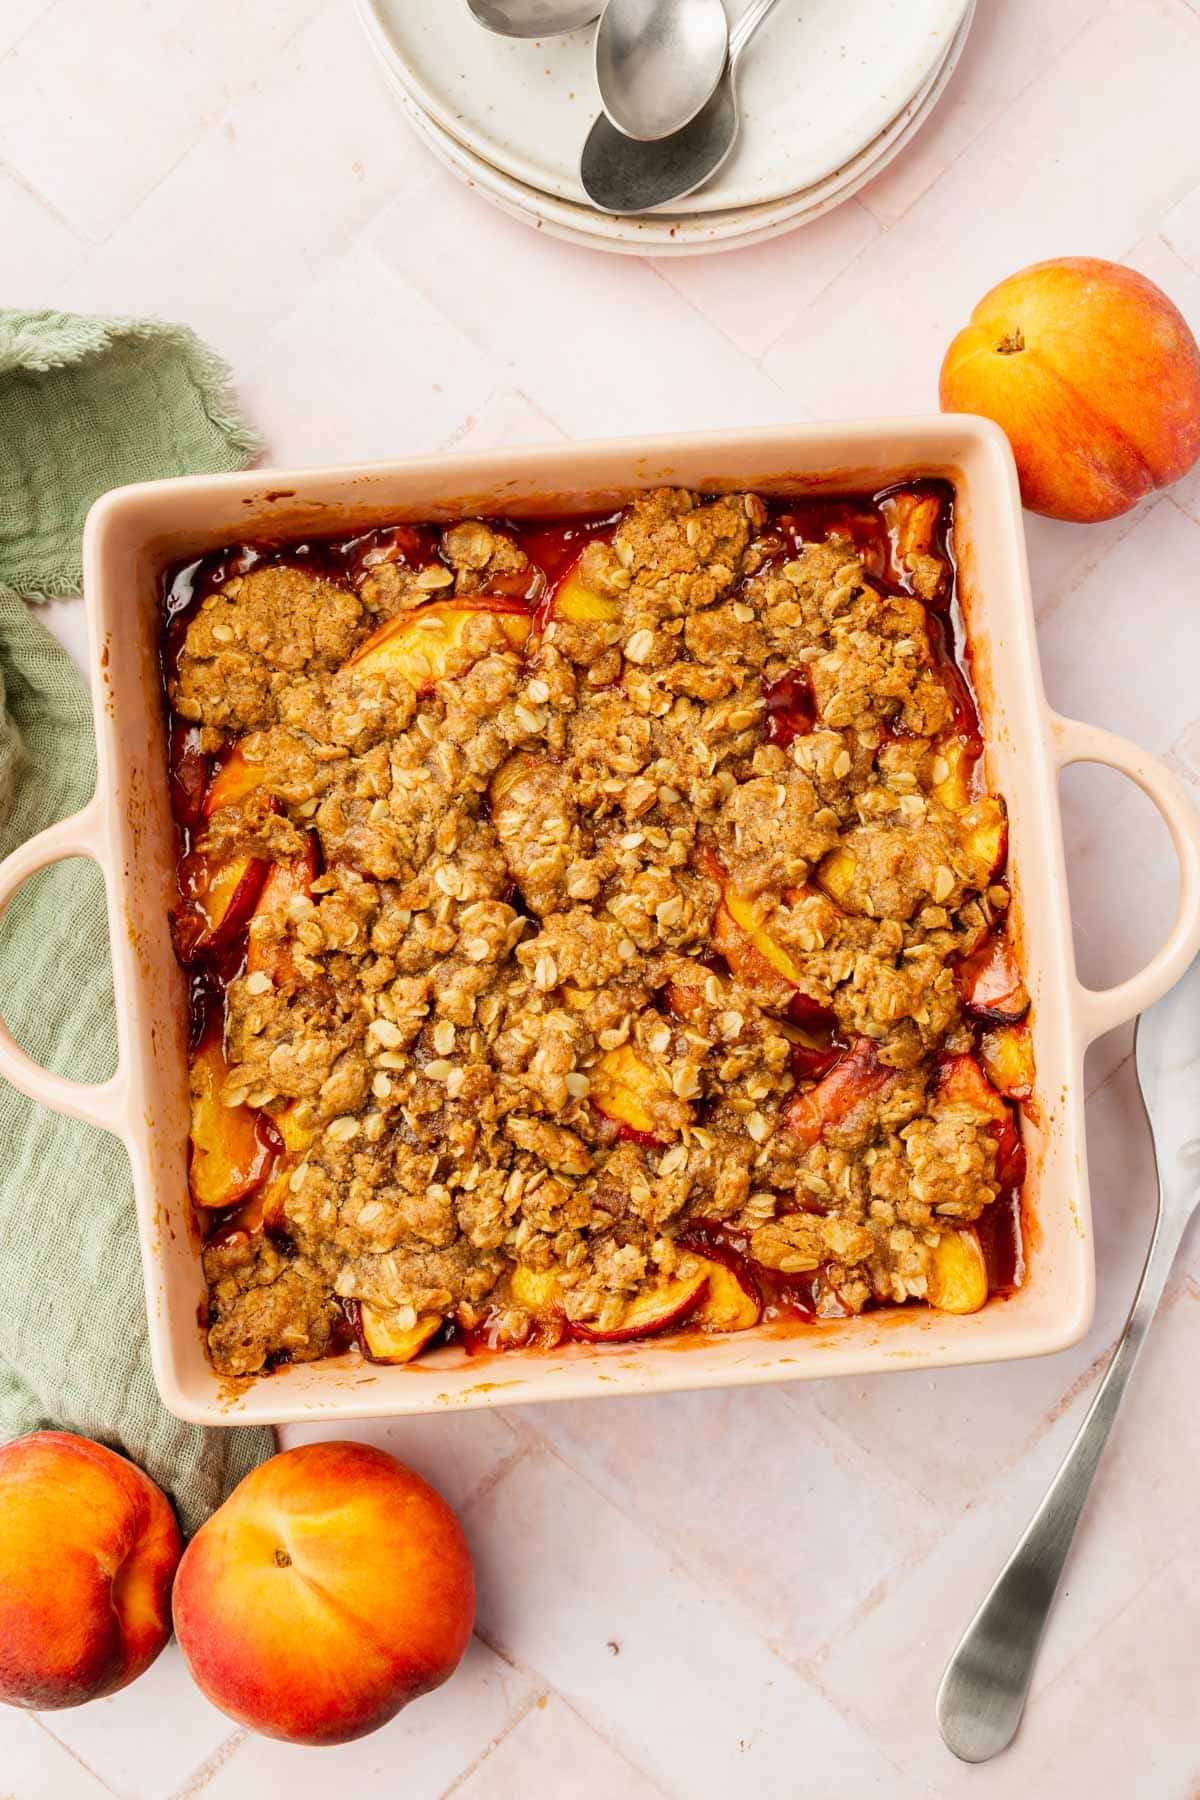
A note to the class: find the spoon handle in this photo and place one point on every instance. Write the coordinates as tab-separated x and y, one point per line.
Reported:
983	1691
746	27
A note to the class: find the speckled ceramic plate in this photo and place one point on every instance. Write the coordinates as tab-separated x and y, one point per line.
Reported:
665	234
822	81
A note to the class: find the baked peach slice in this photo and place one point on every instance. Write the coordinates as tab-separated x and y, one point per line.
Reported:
382	1340
270	1202
224	895
857	1078
1007	1057
538	1292
730	1303
990	983
958	1281
624	1088
422	645
952	785
985	838
739	931
233	783
245	1223
961	1080
657	1310
294	1128
230	1155
535	1290
220	892
741	935
580	604
285	879
810	1060
219	896
912	520
837	876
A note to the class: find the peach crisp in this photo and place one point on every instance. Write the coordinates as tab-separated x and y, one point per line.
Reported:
596	928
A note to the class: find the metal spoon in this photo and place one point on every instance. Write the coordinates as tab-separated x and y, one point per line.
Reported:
983	1691
621	175
534	18
658	62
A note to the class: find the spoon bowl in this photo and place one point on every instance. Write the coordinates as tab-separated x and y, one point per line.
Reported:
624	175
658	63
534	18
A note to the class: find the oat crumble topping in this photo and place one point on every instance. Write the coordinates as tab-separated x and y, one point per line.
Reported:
586	950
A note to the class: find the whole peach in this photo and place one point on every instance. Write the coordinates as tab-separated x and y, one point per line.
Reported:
333	1587
1092	373
88	1546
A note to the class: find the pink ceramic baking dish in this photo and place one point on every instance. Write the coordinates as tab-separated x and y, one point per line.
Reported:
135	533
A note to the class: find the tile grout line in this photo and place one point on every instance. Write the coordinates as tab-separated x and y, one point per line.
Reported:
44	11
1167	494
671	1549
861	1727
811	302
73	1754
544	1690
454	438
1164	235
655	264
200	1776
22	181
496	1475
616	1750
536	1699
712	325
1045	611
203	131
1007	105
836	1435
1089	1092
868	1604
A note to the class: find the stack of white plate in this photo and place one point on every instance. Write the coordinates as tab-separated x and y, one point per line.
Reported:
830	91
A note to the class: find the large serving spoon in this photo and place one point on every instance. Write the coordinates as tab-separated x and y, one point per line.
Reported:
534	18
658	62
982	1696
621	175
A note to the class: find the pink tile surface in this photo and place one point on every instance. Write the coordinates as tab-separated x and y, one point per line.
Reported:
424	1751
648	1653
720	1594
571	1761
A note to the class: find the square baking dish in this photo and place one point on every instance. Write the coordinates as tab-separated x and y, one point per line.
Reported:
135	533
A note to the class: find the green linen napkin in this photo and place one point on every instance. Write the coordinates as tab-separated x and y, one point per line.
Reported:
85	405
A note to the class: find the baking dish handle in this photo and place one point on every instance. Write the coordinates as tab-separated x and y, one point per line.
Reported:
99	1103
1099	1011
